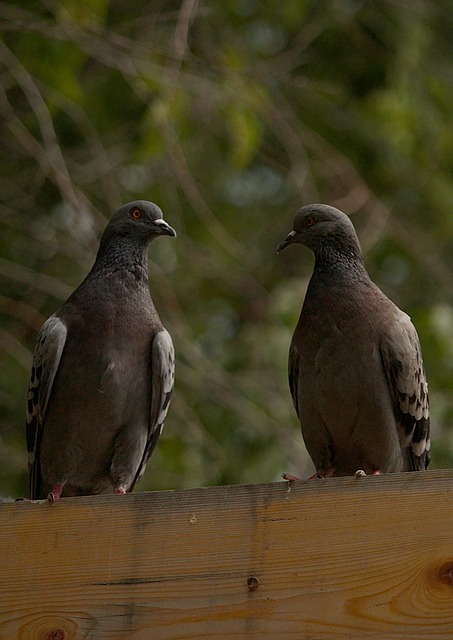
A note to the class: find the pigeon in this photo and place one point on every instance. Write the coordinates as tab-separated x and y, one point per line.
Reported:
103	371
355	366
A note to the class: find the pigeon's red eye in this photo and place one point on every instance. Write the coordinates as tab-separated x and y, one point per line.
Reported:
136	213
309	221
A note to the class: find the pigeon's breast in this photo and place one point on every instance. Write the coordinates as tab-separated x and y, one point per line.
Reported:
340	362
109	382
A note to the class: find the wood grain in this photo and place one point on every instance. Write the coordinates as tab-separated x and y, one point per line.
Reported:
329	559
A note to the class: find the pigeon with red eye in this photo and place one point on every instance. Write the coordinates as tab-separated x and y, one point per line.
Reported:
103	370
355	365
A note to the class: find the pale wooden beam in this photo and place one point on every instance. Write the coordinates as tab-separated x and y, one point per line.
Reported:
337	559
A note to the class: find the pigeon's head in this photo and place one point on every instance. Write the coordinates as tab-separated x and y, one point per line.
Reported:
141	219
319	225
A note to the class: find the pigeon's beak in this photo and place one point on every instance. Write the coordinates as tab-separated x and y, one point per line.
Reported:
288	240
164	229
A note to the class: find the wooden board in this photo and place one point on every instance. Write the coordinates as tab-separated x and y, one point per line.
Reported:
327	559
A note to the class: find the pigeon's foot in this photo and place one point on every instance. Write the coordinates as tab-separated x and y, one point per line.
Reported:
119	490
289	477
55	494
323	473
360	473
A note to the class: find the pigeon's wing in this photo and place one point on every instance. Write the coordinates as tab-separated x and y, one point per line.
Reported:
293	375
402	359
162	381
46	359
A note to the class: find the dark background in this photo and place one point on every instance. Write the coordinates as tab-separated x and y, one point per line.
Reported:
230	115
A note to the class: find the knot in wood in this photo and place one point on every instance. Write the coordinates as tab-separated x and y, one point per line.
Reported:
446	573
253	583
56	634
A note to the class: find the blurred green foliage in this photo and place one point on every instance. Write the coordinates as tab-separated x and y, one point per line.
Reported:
229	115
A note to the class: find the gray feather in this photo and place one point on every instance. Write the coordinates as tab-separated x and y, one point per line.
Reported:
401	354
355	367
103	370
46	359
163	377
